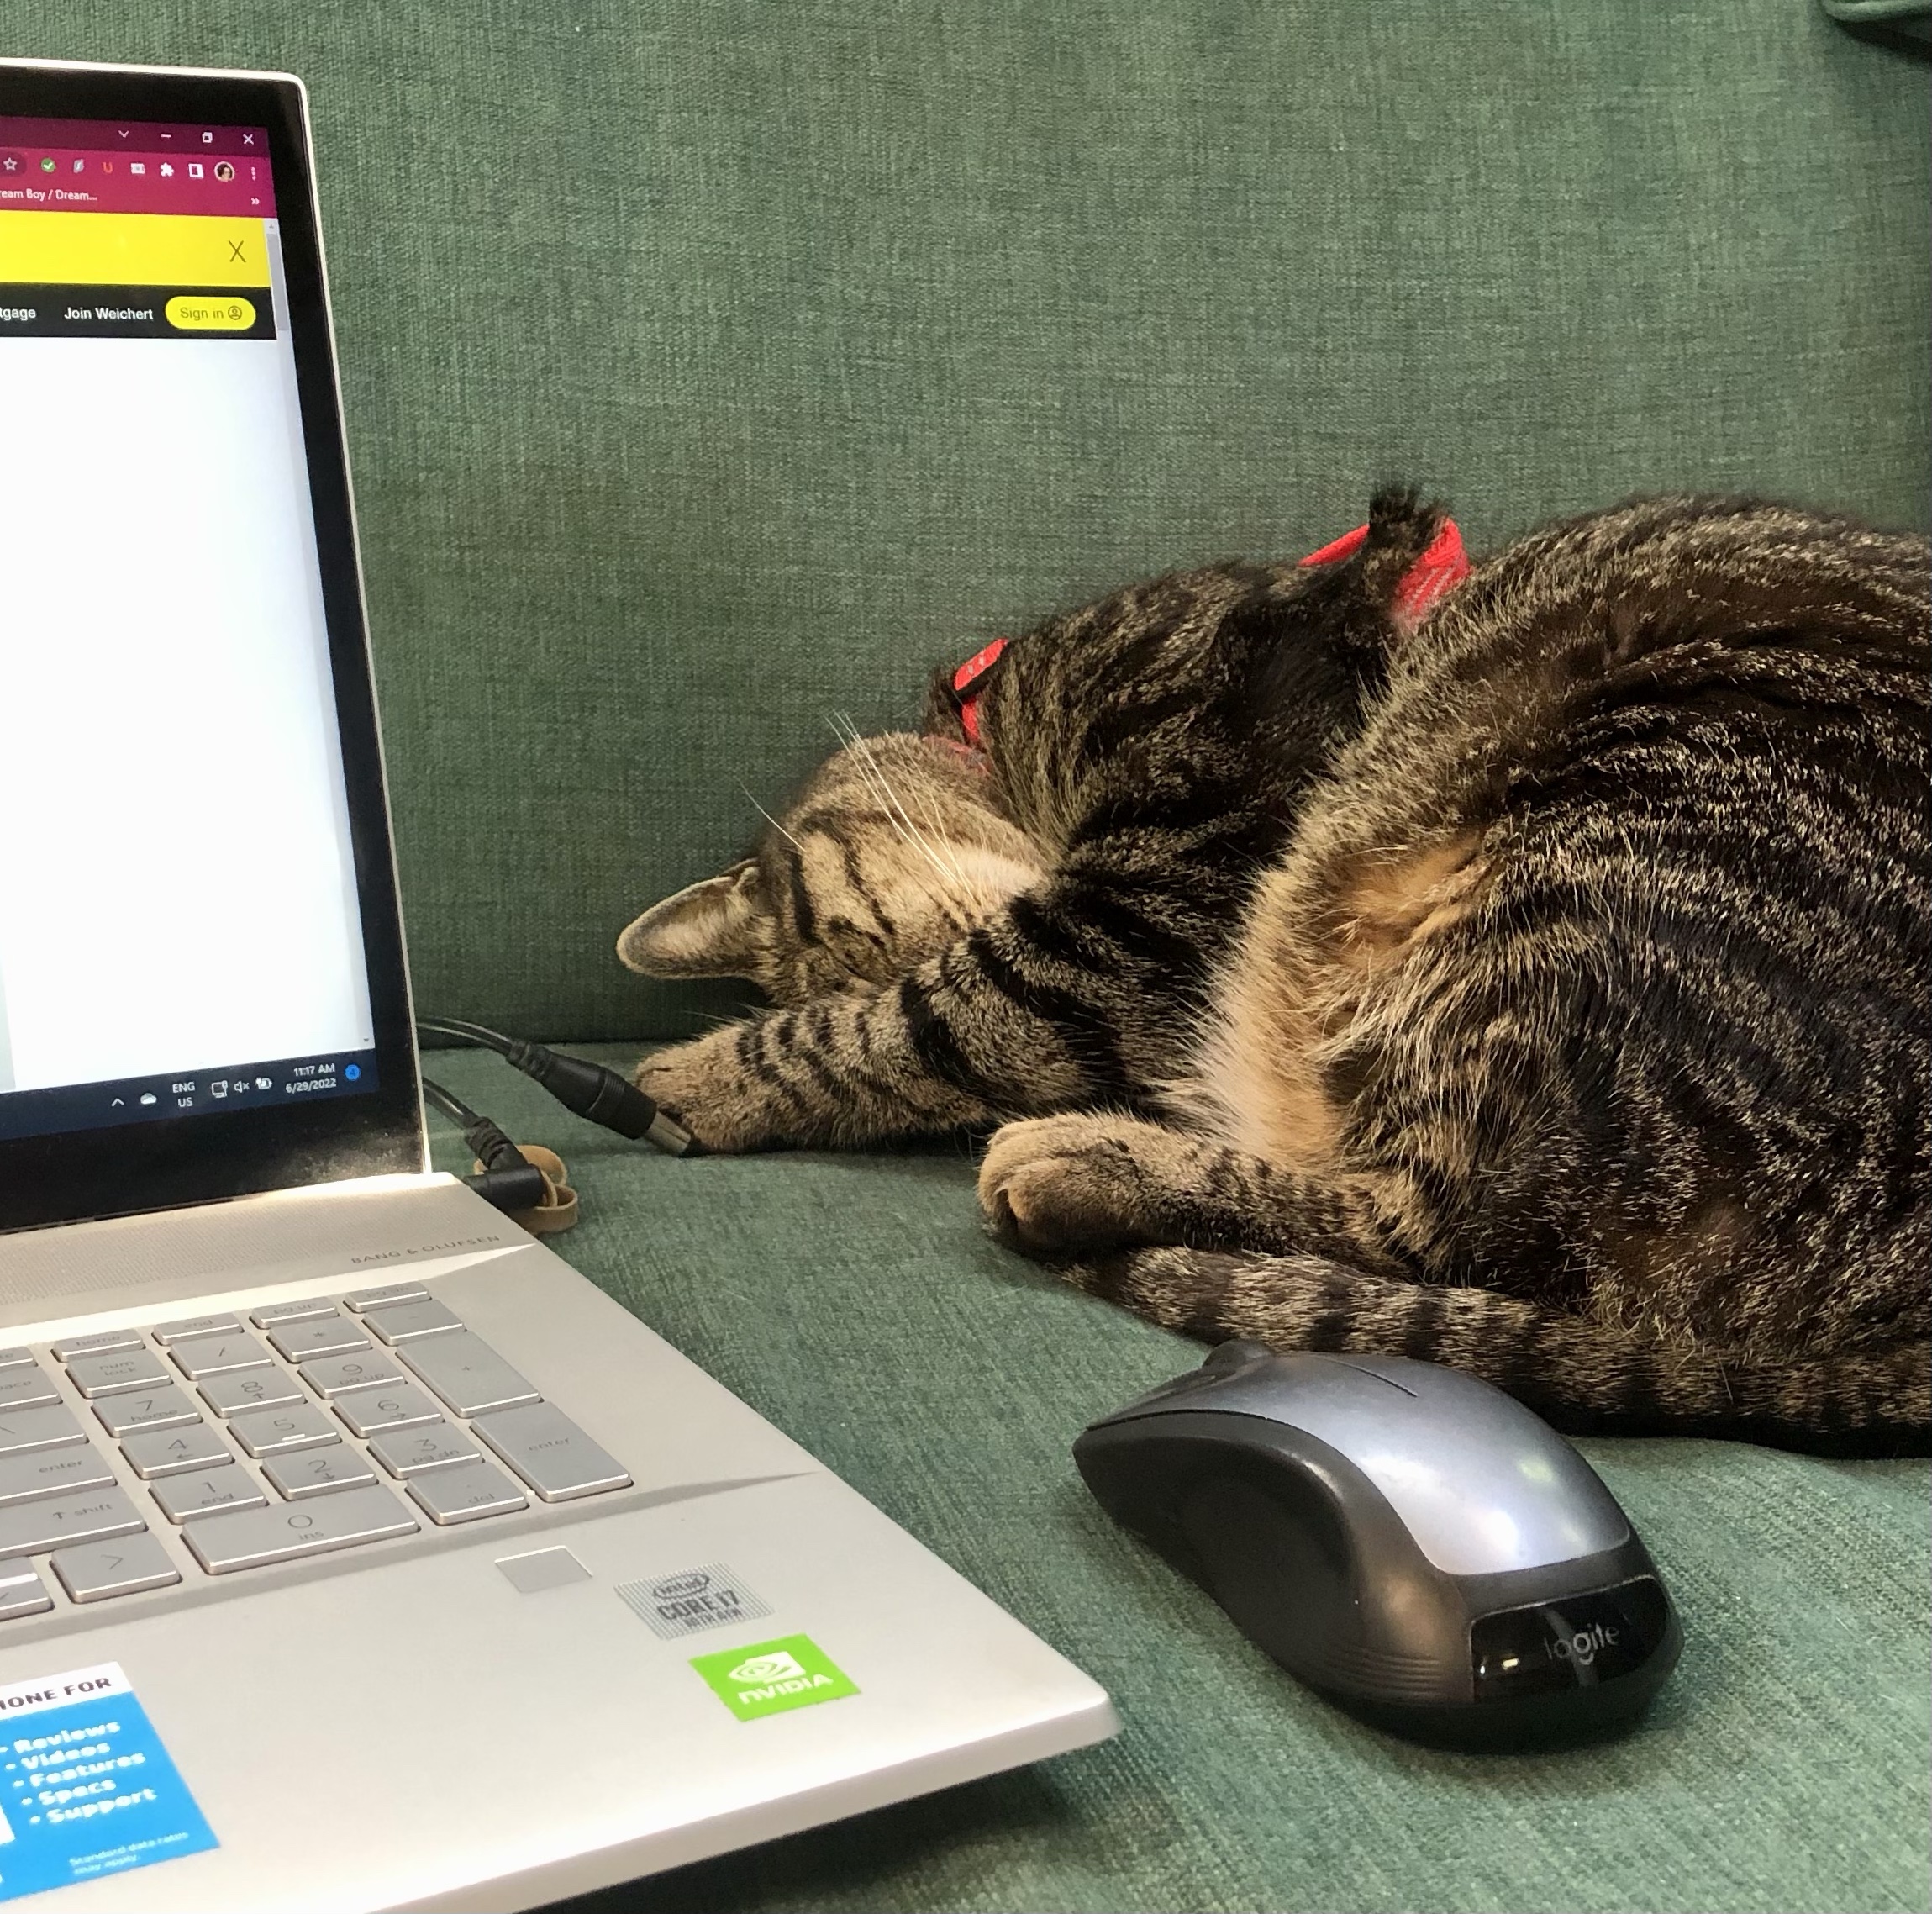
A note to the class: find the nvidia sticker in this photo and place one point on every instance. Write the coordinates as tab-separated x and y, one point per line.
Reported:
772	1676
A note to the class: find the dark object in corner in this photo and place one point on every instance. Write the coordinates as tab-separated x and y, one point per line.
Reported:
1413	1544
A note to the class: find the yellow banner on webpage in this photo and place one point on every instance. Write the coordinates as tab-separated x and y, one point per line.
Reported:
191	251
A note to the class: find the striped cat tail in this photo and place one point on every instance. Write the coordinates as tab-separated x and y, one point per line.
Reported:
1582	1377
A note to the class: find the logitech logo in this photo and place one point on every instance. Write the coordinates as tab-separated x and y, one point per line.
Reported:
1583	1645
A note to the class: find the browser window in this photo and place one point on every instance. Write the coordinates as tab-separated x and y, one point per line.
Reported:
179	925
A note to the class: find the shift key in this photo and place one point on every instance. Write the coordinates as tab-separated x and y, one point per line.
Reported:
465	1372
62	1520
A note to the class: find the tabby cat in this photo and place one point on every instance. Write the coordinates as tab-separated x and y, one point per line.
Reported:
1536	981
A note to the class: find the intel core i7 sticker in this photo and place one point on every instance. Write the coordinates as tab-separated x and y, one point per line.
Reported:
691	1601
86	1787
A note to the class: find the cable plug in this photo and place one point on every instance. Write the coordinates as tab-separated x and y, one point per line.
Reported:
600	1095
558	1210
594	1093
504	1175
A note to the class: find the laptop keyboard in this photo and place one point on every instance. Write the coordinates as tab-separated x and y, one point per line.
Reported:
288	1432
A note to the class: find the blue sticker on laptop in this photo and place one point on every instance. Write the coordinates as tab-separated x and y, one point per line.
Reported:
86	1787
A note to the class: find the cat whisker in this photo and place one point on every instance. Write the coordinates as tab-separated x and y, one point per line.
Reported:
898	815
771	820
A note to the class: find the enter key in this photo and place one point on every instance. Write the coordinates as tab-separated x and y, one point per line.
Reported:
548	1451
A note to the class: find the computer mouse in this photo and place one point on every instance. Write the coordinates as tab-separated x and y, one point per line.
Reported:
1412	1543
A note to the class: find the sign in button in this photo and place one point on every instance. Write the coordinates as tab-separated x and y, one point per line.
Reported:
196	312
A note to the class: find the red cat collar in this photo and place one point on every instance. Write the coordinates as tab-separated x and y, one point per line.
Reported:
1442	566
982	661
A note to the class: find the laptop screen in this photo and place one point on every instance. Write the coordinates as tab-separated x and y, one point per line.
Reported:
202	990
179	924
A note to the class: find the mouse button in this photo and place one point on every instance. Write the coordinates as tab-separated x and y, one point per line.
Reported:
1484	1485
1483	1502
1178	1390
1302	1390
1379	1367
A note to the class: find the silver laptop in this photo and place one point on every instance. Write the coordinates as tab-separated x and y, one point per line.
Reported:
354	1552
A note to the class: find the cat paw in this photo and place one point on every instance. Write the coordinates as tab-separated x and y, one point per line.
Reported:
704	1086
1061	1186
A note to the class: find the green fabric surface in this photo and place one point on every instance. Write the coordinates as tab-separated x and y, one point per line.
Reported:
854	1303
712	367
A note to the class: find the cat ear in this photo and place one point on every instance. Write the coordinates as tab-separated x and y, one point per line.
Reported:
706	929
1401	527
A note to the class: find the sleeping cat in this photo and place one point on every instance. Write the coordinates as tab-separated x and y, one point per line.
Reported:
1532	976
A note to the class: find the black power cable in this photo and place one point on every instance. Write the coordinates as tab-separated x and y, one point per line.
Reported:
508	1178
588	1089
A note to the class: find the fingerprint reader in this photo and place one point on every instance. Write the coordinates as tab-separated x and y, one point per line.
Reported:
191	312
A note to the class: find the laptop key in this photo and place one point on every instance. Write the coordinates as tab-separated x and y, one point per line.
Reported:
465	1494
249	1389
331	1376
466	1372
204	1356
155	1452
26	1429
257	1537
320	1472
104	1569
96	1345
51	1472
214	1492
270	1314
62	1520
15	1358
21	1592
408	1321
109	1374
326	1335
383	1296
551	1453
409	1451
368	1410
25	1389
163	1408
280	1431
170	1332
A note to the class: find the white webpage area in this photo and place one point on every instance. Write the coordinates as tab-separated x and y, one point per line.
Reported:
176	886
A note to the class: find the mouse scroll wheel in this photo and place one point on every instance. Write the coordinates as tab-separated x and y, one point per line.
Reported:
1231	1358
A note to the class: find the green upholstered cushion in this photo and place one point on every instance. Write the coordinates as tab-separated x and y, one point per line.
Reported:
854	1302
712	367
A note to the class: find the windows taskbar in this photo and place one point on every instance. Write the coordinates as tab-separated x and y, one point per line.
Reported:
188	1093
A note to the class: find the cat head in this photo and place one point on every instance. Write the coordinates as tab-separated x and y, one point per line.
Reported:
897	846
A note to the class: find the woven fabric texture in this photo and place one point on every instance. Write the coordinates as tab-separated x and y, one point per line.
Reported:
855	1304
717	367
